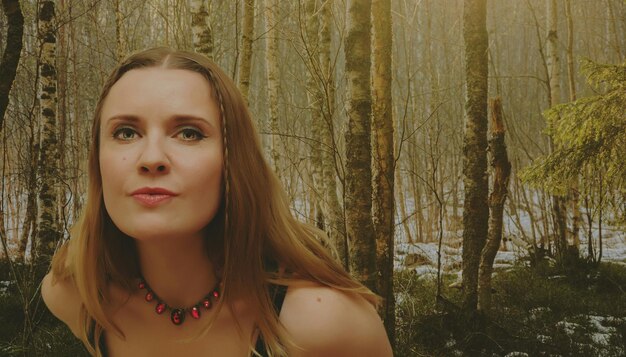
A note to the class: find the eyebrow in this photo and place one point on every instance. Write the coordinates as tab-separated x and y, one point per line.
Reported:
176	118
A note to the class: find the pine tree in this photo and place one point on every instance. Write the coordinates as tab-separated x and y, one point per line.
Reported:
589	133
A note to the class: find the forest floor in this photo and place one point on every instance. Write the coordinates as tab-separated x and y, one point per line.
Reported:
540	308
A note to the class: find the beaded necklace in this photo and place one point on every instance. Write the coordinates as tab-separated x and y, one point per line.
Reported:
177	314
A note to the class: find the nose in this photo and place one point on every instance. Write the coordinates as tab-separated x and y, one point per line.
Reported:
154	159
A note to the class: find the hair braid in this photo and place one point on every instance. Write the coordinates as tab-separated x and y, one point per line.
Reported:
220	100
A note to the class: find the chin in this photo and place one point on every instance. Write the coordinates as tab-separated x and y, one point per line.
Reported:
149	236
156	233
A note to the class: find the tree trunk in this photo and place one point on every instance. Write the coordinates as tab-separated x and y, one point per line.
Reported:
62	119
554	70
419	219
531	215
30	221
76	127
600	213
120	36
590	253
246	48
475	209
402	202
336	224
570	52
201	28
359	226
544	208
12	52
314	101
574	191
272	70
383	163
502	171
47	227
612	30
455	195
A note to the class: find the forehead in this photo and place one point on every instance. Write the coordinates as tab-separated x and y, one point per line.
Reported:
160	91
158	79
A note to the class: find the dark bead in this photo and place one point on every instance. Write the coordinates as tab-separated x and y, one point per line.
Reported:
178	316
149	296
207	303
195	312
160	307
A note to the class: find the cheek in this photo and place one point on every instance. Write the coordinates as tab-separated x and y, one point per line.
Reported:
208	179
112	170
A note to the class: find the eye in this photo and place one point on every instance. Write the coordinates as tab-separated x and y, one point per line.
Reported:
124	133
191	134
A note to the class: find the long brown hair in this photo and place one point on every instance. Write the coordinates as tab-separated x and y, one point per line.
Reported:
253	225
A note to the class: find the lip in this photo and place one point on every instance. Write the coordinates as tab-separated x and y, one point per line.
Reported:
153	191
152	196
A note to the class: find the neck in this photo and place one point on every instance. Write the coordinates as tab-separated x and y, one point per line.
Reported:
177	269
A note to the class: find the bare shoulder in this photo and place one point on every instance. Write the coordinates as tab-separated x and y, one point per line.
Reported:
328	322
62	299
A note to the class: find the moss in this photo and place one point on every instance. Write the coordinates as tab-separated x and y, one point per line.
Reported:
49	336
540	311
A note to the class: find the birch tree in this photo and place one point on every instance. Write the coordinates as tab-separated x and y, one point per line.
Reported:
120	37
314	100
383	158
475	209
272	71
571	76
201	27
359	226
554	73
47	220
335	222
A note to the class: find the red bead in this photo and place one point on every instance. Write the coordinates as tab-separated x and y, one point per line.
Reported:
178	316
216	294
207	303
142	285
195	312
160	307
149	296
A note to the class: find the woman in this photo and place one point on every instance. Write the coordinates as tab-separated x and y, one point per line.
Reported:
186	246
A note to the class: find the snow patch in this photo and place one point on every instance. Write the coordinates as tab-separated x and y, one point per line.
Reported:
4	286
568	327
516	354
425	271
536	313
544	339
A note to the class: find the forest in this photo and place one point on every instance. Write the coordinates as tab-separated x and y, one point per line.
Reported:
466	158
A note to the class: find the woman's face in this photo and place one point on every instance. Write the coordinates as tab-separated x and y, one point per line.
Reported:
161	154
